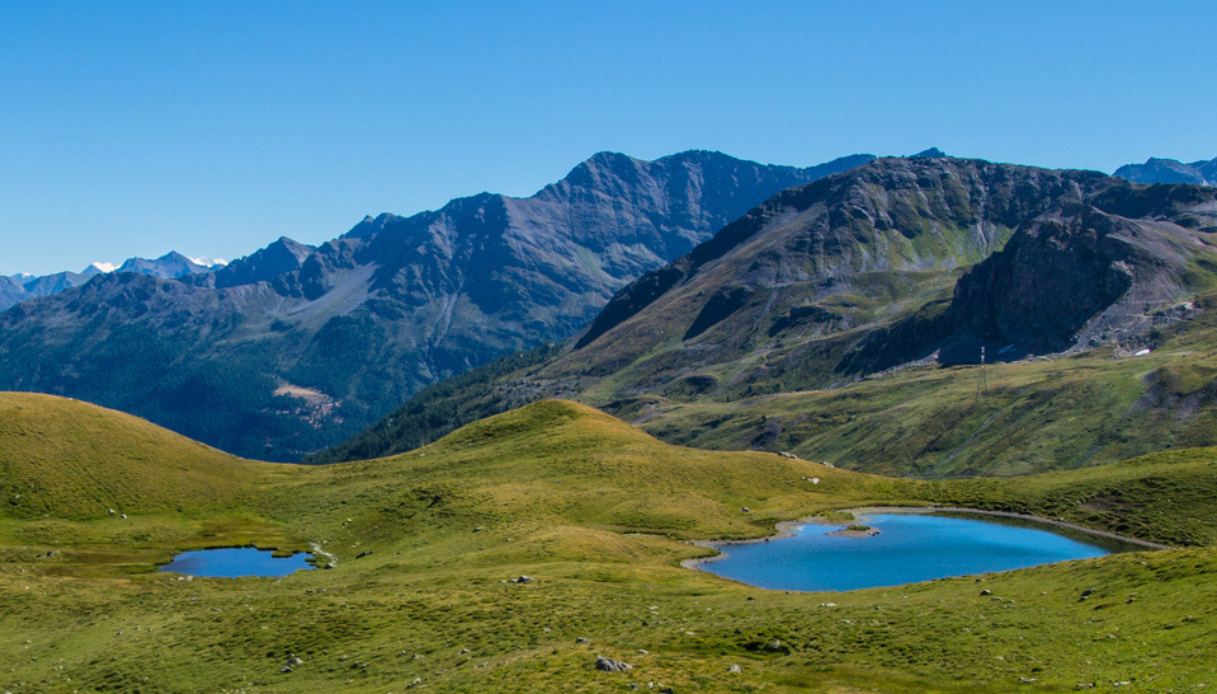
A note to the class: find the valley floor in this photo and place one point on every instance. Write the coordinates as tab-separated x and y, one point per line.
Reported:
600	516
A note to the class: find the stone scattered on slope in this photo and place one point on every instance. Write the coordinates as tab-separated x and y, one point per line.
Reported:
610	665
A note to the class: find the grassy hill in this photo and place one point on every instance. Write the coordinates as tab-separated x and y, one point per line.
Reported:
1091	408
600	515
68	459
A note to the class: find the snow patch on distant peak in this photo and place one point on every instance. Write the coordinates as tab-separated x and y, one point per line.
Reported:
103	267
209	262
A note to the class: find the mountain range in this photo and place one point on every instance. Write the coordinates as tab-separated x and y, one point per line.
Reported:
15	289
830	289
297	347
966	341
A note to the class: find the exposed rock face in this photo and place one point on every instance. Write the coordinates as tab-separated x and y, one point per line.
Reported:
1076	277
1063	274
294	348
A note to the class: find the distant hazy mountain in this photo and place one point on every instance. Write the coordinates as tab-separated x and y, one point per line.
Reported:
1170	171
293	348
172	265
11	291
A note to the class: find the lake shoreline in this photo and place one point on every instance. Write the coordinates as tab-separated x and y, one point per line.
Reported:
790	528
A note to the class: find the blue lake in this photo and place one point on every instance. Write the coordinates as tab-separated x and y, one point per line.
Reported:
237	562
909	548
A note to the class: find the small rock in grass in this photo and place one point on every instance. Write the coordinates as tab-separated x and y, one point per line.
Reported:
582	639
985	592
609	665
745	509
733	668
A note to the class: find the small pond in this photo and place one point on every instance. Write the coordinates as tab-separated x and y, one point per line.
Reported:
235	562
909	548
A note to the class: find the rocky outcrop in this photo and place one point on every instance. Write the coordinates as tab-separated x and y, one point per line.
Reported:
1077	277
610	665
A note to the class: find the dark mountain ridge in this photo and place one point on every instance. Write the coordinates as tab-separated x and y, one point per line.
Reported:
293	348
824	260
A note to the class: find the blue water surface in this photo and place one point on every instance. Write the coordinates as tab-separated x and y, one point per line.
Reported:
236	562
909	548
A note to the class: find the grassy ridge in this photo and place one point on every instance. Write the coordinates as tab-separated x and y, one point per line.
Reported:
1033	416
598	514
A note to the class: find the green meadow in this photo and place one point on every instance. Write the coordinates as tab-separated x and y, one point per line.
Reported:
599	515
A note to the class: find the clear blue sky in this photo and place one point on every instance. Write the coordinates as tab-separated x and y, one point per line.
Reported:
131	128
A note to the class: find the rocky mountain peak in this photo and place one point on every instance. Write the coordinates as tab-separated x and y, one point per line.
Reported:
1162	170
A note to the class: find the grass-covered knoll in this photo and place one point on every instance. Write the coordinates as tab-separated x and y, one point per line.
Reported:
440	408
71	460
597	513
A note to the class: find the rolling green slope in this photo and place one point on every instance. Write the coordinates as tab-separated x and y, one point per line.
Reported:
1096	407
71	460
599	514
